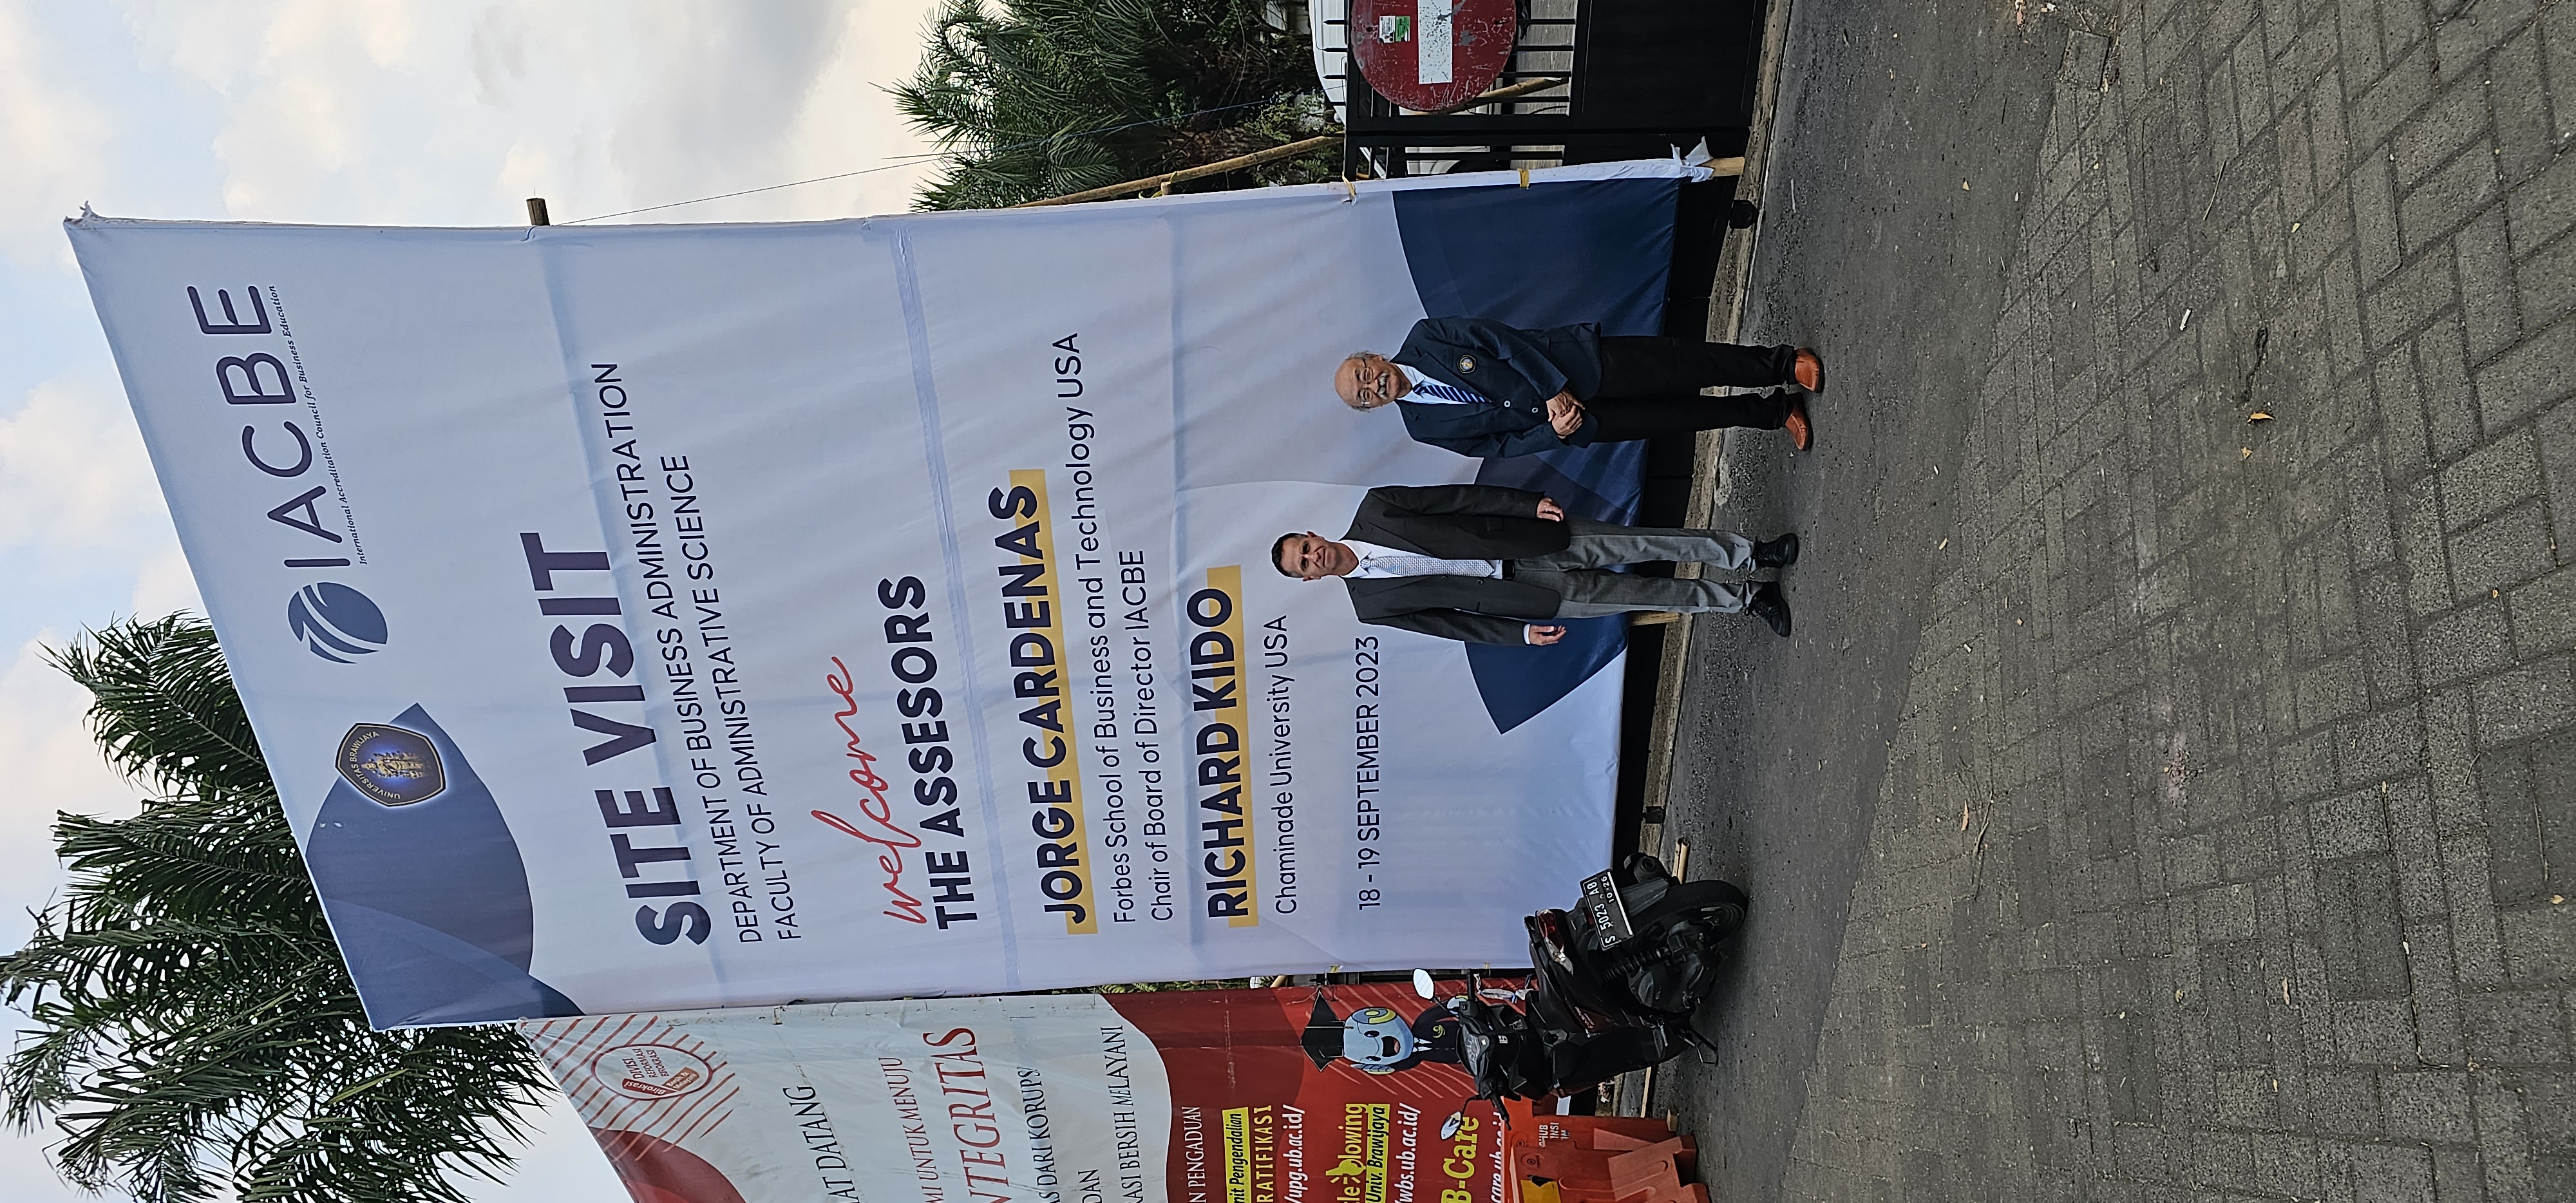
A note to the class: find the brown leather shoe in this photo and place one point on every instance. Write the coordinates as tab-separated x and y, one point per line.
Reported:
1809	368
1796	422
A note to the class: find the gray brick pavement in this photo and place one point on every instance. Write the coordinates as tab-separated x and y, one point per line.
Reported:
2222	839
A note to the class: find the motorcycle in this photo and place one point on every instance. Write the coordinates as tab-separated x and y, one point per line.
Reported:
1616	982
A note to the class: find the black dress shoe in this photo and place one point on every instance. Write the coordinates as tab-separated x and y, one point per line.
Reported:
1776	553
1771	607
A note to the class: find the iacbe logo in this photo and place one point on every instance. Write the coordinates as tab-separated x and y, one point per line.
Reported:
335	622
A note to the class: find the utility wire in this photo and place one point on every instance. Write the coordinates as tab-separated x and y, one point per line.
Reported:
913	159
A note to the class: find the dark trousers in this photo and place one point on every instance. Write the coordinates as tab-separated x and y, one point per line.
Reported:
1650	386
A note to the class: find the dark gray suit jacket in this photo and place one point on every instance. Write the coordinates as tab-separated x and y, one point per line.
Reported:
1518	369
1456	522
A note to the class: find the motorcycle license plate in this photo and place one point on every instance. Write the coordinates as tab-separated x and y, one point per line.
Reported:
1609	915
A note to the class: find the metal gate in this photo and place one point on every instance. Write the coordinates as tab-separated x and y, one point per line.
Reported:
1636	79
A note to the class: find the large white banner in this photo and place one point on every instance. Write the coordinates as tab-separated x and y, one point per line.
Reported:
1357	1095
660	617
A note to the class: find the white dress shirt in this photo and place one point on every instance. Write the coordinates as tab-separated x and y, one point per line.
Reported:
1378	562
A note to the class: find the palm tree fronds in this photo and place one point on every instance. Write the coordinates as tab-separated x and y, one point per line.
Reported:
195	1034
1038	98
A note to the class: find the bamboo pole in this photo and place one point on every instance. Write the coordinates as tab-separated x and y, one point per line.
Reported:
1259	157
1512	92
1167	179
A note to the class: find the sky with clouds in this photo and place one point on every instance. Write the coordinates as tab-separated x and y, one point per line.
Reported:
378	112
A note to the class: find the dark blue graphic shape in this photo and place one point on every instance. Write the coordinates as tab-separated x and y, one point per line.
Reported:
335	621
391	766
1601	482
430	900
1549	255
1545	255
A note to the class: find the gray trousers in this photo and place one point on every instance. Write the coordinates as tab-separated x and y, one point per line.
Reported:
1588	592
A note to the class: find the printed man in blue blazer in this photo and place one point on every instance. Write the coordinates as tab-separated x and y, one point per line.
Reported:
1482	388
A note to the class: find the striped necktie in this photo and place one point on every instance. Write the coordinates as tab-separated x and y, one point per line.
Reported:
1398	563
1441	394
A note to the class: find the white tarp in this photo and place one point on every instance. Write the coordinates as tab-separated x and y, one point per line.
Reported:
658	617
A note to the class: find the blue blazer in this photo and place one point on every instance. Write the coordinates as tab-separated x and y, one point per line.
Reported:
1519	369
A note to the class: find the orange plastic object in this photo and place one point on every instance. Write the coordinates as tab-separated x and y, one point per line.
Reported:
1600	1159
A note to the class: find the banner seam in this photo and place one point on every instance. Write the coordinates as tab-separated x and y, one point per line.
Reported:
925	391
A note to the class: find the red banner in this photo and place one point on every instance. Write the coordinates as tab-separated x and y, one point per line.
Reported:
1350	1095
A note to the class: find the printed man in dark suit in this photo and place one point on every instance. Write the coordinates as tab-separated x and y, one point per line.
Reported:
1486	564
1482	388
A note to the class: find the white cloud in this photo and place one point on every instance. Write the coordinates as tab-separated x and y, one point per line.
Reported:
74	478
51	136
411	111
500	55
699	125
215	42
879	44
162	583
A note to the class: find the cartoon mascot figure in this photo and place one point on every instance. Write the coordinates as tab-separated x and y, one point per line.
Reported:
1378	1041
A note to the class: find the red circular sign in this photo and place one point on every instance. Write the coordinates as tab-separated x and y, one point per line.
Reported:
1431	54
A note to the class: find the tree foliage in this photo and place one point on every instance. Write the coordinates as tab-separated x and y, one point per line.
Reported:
194	1029
1040	98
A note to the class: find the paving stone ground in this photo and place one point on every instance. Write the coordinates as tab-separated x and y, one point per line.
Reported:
2154	803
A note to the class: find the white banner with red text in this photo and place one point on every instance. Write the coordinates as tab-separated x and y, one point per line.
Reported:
1351	1095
